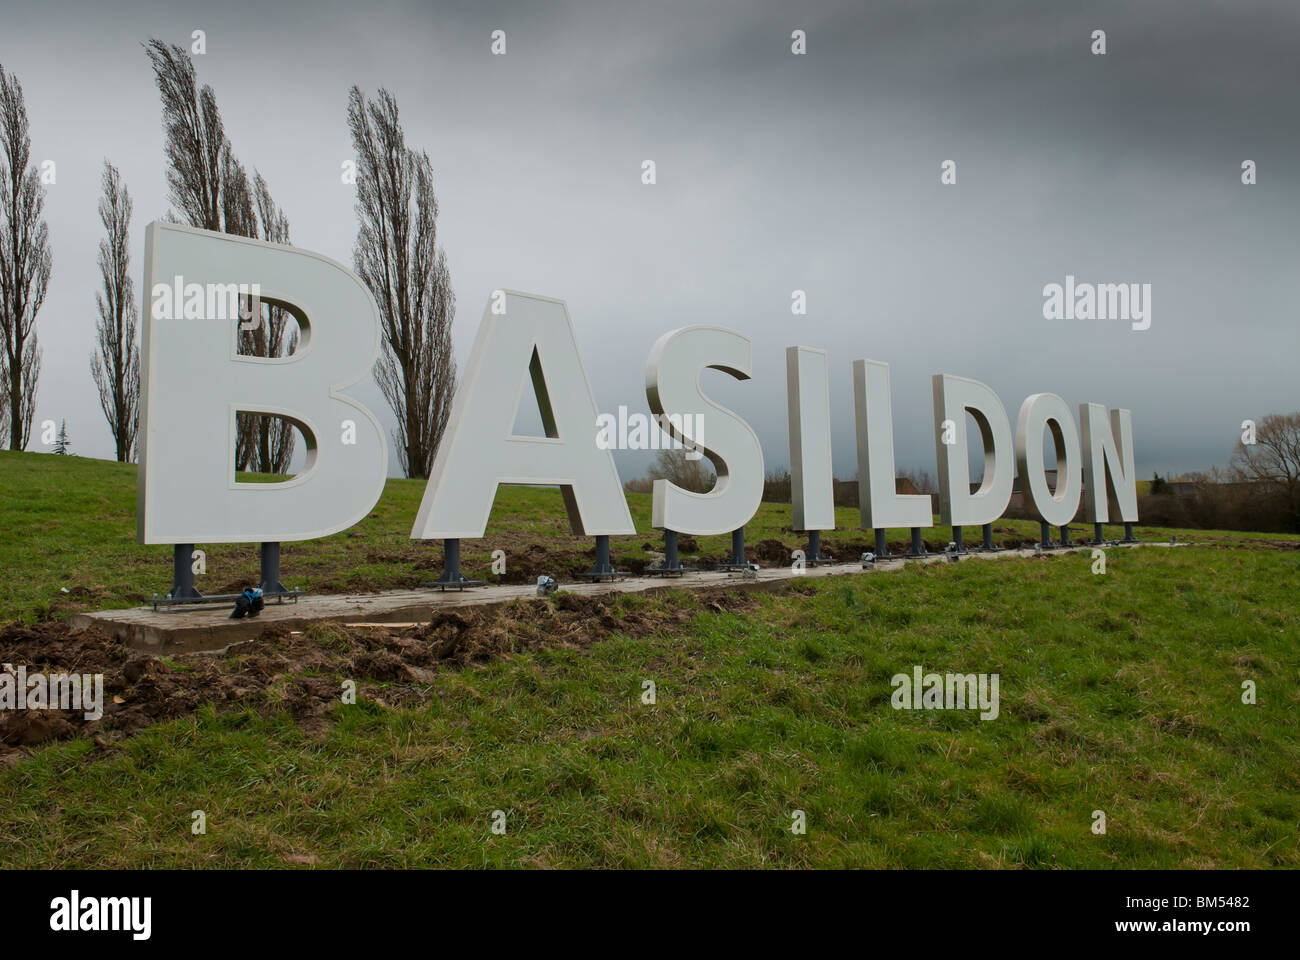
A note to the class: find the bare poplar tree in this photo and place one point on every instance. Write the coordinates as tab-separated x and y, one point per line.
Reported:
398	257
209	188
116	364
276	336
25	261
240	219
195	142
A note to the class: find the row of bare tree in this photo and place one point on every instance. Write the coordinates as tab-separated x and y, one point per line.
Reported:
396	254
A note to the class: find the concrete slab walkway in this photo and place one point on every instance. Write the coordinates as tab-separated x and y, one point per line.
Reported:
208	627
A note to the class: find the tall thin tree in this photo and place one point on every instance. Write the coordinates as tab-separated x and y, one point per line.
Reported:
25	261
209	188
398	256
195	142
276	336
116	364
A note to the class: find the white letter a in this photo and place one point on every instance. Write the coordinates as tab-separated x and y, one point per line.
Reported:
534	337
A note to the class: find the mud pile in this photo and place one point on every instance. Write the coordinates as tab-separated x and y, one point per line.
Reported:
303	671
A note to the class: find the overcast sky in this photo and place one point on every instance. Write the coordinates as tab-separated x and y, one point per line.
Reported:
776	172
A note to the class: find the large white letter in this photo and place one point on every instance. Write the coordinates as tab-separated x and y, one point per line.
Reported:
533	337
1108	464
194	382
672	386
1039	412
879	503
953	397
808	395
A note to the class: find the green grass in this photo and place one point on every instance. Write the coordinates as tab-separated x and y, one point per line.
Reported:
1119	692
69	524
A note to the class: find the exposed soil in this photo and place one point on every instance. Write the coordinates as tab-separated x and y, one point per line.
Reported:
770	551
303	672
1010	539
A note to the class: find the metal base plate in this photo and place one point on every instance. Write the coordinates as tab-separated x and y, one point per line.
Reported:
168	603
673	572
603	576
445	585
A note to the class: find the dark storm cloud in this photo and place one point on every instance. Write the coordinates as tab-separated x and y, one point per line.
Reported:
775	173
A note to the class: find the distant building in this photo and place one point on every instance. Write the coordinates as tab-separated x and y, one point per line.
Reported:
904	486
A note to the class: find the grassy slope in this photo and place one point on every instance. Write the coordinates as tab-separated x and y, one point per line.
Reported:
1119	692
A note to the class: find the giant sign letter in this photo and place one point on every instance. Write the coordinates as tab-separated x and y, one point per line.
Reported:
1047	411
808	394
953	398
672	387
534	338
1108	465
879	503
194	382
